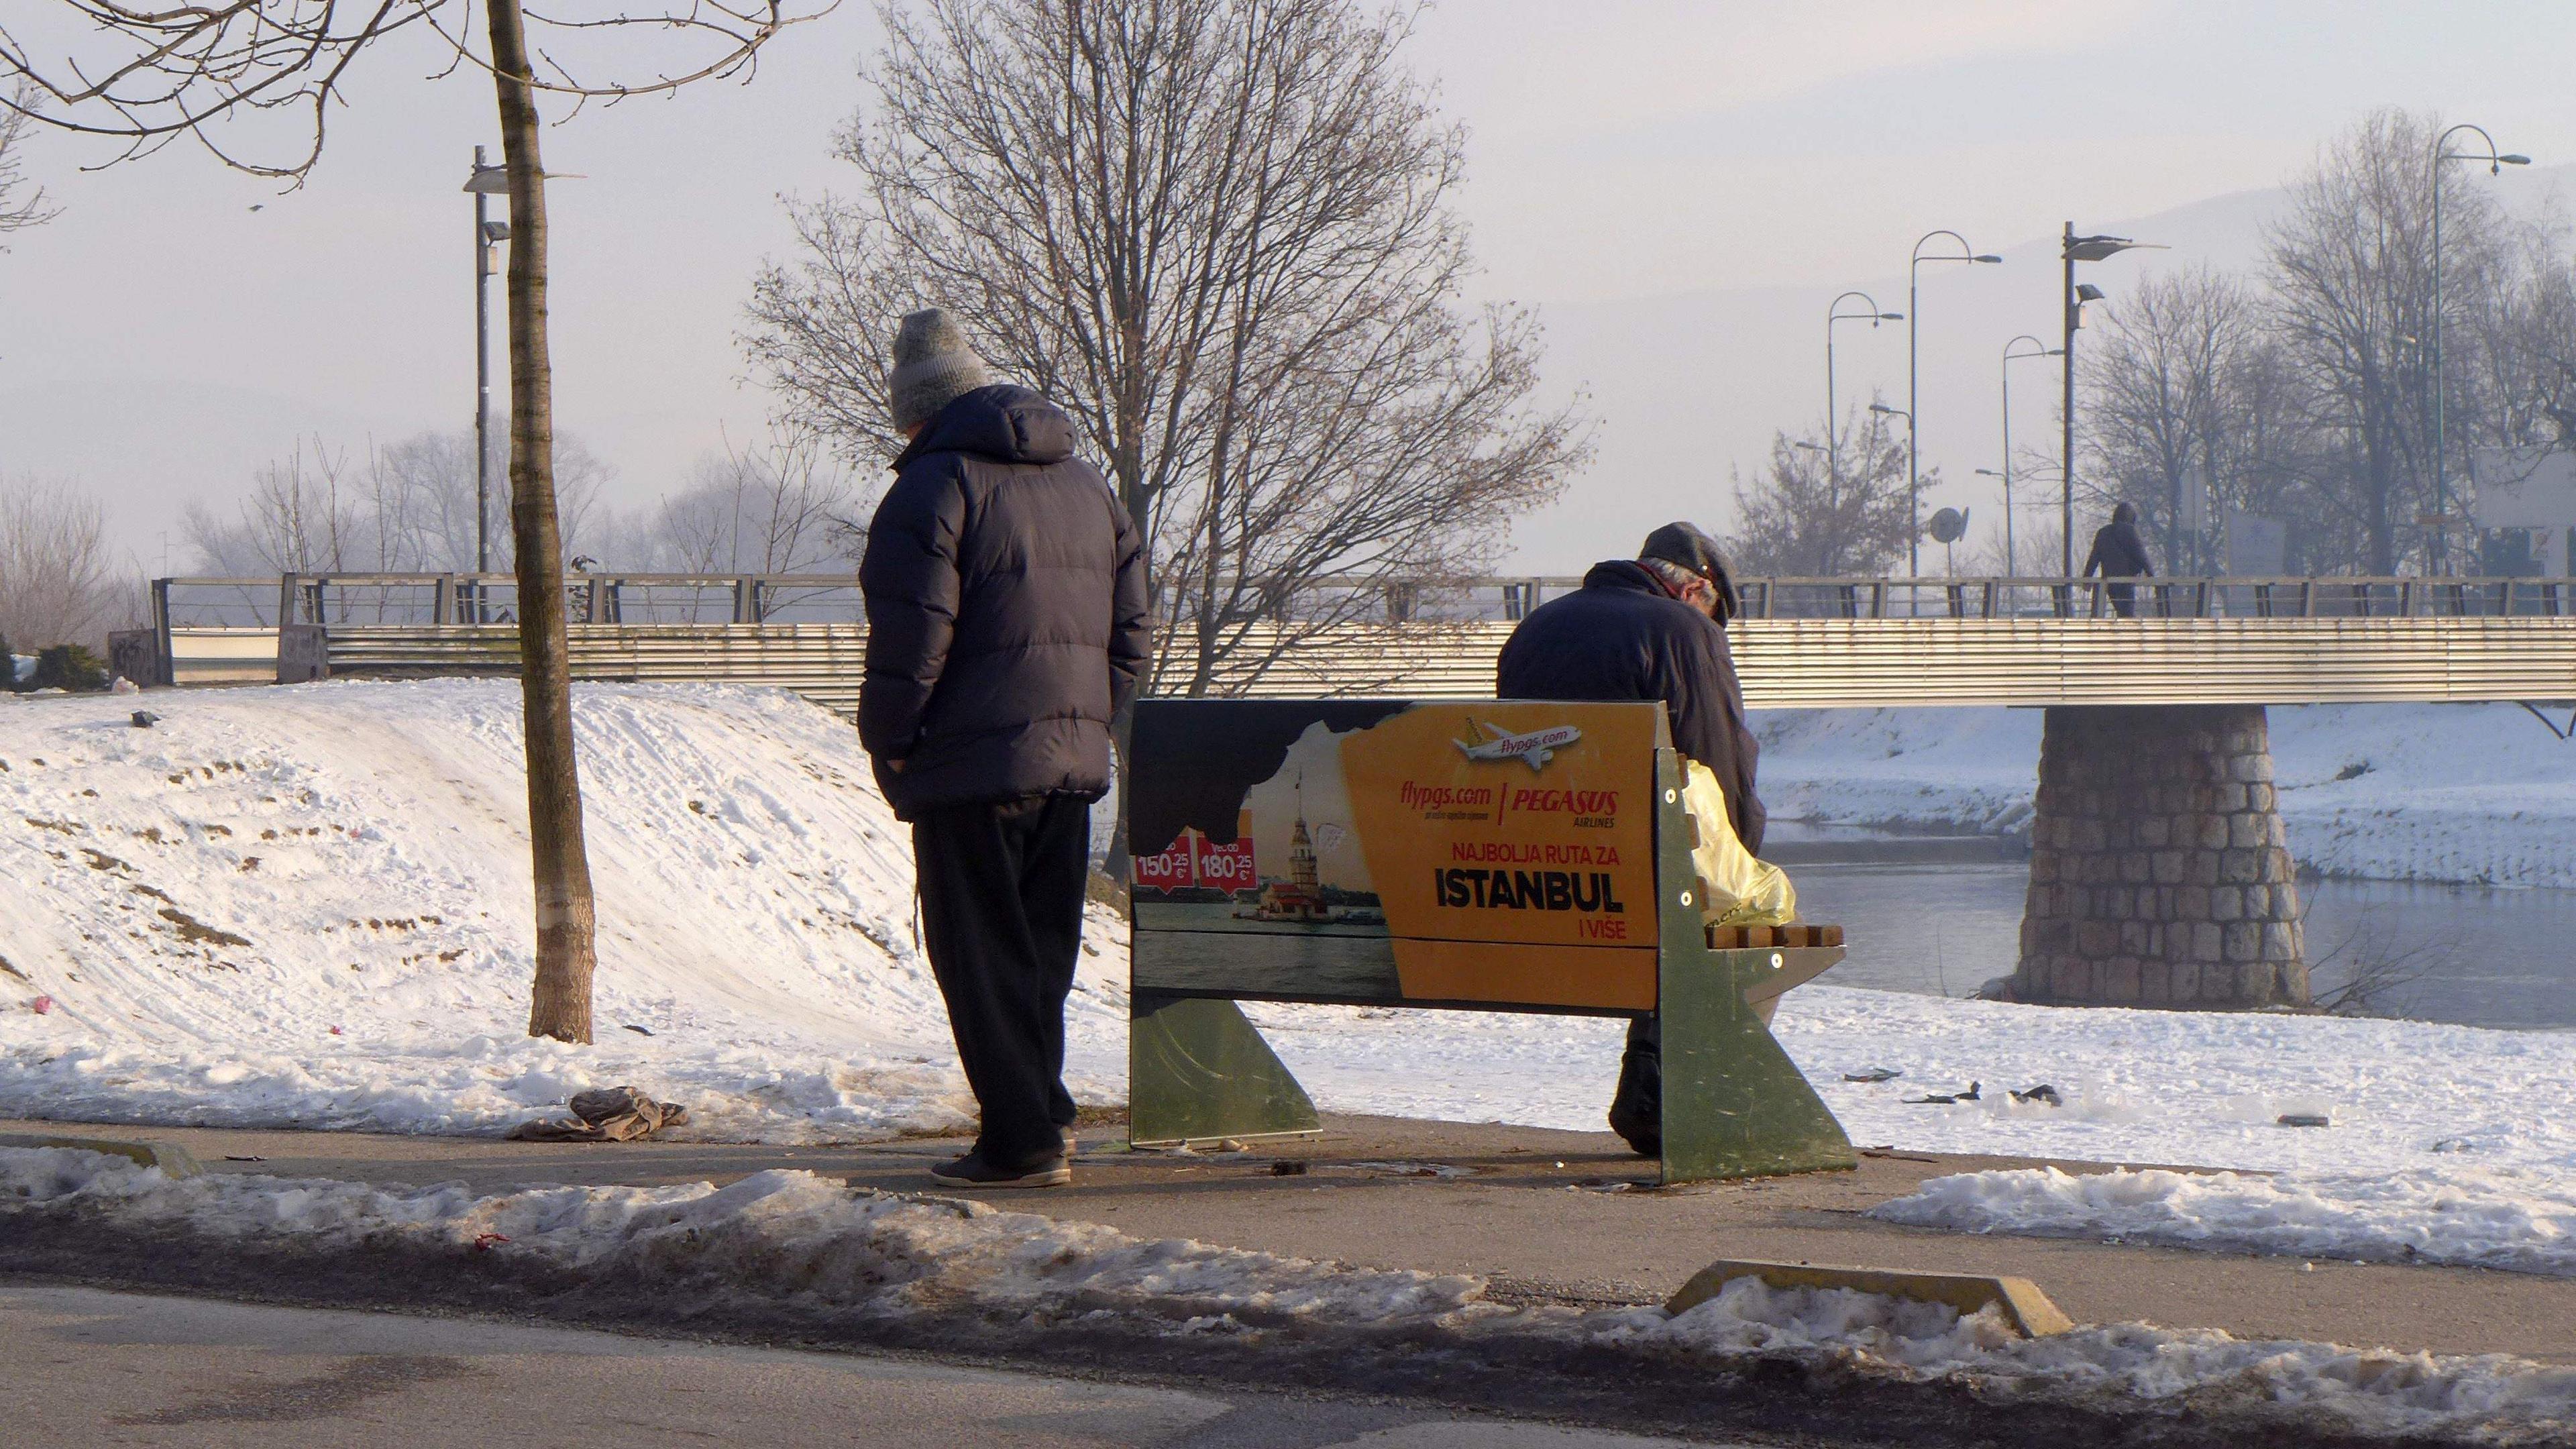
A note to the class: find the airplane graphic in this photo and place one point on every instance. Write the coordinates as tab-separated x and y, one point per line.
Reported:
1537	747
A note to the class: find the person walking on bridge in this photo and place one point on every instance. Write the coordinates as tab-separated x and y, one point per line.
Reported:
2119	553
1005	592
1649	629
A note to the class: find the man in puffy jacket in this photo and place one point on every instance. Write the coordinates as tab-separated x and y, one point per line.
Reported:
1653	629
1005	592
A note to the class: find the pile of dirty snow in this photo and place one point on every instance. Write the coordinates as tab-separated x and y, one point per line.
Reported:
2475	793
781	1236
307	906
2516	1221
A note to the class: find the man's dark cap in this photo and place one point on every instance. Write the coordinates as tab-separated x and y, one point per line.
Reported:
1683	544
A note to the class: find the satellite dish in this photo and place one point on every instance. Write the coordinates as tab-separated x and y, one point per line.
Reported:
1949	525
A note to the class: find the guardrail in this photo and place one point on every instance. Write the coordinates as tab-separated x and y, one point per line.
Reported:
390	599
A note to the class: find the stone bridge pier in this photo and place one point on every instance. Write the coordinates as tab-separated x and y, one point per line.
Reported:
2159	872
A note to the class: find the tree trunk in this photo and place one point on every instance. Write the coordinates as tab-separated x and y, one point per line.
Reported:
559	1006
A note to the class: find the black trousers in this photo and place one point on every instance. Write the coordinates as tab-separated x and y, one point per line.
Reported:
1002	889
1637	1107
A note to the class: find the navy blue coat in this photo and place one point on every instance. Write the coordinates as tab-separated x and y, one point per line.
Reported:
1005	590
1622	637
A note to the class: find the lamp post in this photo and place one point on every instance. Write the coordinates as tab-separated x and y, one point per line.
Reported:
2012	560
2075	249
1834	313
1913	317
485	182
2441	392
1913	521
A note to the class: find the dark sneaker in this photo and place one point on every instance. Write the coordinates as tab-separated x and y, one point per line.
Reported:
975	1170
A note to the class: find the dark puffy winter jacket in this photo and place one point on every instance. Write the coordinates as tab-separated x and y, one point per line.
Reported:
1006	611
2118	552
1622	637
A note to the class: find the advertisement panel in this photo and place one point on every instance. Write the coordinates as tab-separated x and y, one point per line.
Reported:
1497	853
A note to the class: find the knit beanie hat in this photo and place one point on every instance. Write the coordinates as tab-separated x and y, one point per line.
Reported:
933	367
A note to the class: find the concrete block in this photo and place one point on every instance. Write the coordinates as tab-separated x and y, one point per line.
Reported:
2201	869
2226	799
2245	830
2262	797
2043	867
2191	903
2137	867
2155	983
2168	867
2155	832
2208	941
2210	832
2133	939
2096	939
2240	867
2017	1300
2226	903
2279	944
2244	942
173	1160
2120	983
2272	866
2185	982
2251	769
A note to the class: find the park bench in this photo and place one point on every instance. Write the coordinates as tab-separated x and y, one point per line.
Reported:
1473	855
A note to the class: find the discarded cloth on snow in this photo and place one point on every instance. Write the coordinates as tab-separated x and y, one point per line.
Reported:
604	1114
1734	888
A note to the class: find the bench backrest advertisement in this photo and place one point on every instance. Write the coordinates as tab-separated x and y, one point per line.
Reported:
1383	852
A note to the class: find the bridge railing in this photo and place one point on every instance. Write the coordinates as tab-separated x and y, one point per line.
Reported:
432	599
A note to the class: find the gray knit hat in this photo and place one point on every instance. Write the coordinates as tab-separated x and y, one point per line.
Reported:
933	367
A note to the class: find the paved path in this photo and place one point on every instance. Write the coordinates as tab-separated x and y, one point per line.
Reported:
88	1368
1549	1216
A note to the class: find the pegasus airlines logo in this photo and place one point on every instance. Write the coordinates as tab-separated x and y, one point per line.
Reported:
1537	747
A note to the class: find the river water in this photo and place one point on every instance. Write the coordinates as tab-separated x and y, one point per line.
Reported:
1942	915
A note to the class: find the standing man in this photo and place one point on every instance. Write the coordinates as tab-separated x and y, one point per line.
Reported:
2119	553
1651	629
1005	591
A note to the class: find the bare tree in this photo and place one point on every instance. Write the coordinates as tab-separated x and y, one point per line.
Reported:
2171	392
57	585
773	509
22	202
1219	232
2351	276
423	495
1823	513
249	74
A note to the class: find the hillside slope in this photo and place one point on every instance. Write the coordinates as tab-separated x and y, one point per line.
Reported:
313	898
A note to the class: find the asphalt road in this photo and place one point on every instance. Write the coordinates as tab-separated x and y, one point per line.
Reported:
87	1367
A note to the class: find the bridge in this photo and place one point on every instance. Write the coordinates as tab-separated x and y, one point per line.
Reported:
1801	643
2160	874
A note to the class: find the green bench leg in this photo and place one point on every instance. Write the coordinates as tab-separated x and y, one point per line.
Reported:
1196	1069
1734	1104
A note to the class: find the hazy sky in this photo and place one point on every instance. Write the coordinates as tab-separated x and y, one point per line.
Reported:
163	338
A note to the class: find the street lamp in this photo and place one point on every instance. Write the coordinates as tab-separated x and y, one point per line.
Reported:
1913	316
484	182
2075	249
1834	313
2441	393
2012	560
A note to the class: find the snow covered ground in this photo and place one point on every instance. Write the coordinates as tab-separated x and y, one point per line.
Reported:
785	1236
2478	793
304	907
2511	1219
307	906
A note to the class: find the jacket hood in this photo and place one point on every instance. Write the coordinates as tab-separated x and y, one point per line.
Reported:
1004	422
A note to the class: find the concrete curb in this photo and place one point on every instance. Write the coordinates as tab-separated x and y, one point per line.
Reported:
2025	1307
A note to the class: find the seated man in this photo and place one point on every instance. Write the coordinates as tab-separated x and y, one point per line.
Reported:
1652	629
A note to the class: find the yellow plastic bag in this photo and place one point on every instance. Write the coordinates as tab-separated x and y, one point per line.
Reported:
1734	888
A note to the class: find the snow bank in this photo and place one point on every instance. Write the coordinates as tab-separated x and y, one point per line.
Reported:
306	907
2476	793
2142	1087
790	1236
2511	1220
